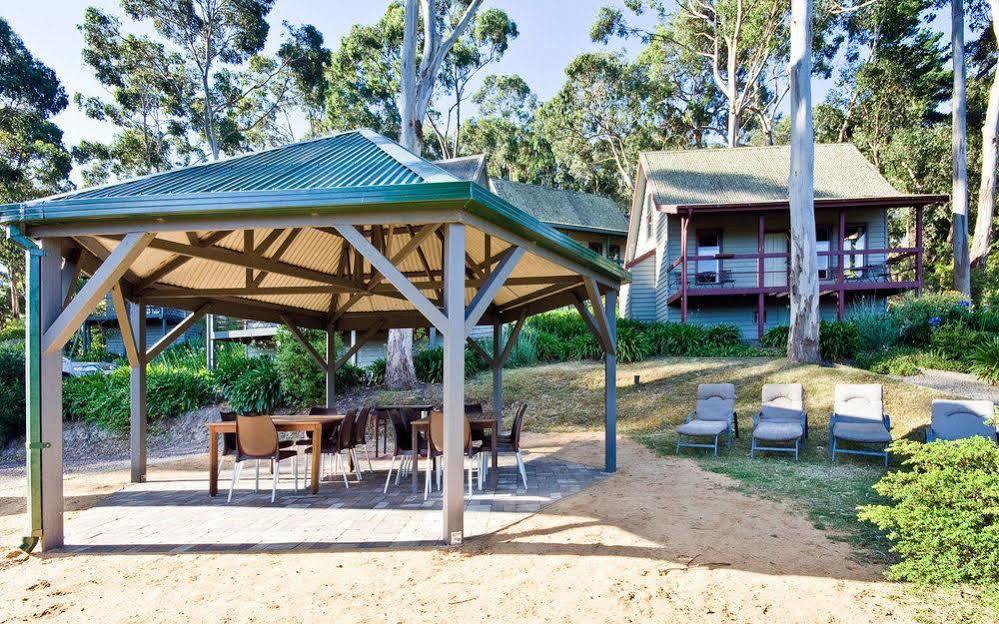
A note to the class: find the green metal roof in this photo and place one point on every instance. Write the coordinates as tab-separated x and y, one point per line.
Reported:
755	175
338	174
562	208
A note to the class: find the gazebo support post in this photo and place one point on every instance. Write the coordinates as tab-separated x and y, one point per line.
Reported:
330	366
454	382
137	394
610	385
49	383
497	367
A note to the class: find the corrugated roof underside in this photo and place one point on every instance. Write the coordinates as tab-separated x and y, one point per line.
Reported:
323	251
754	175
346	160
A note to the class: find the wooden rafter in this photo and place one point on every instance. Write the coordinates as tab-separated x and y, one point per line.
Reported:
176	261
282	248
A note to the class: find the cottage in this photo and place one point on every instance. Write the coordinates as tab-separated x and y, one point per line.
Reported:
708	237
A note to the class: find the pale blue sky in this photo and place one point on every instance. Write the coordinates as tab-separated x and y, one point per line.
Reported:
551	33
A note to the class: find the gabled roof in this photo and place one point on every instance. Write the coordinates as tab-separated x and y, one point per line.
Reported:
758	176
470	168
559	208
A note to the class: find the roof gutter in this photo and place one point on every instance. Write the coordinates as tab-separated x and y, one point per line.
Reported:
33	390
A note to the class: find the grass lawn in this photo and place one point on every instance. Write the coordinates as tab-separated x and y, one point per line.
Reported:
570	397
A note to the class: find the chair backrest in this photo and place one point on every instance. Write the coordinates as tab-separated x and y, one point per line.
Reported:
782	402
437	432
715	401
473	408
320	410
256	436
403	434
361	425
859	402
518	426
345	434
954	420
228	439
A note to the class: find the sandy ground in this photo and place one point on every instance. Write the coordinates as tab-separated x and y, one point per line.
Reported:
660	541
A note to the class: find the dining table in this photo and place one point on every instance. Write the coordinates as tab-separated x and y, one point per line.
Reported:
477	422
307	423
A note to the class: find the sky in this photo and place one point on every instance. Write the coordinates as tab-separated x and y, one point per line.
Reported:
552	32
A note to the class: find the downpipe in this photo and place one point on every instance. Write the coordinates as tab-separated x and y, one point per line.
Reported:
33	394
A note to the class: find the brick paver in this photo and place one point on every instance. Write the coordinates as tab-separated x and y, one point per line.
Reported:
179	516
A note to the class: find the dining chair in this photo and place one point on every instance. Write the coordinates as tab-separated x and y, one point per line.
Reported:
436	450
336	444
257	438
403	449
509	443
361	438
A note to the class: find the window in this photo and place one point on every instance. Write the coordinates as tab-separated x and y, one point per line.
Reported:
614	252
822	244
708	244
596	247
650	209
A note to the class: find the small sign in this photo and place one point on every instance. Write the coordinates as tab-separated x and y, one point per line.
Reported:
455	538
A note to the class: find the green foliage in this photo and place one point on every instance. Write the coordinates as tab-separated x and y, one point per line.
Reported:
375	374
915	313
942	516
901	362
12	330
956	341
776	337
876	330
231	361
257	389
104	399
429	364
838	340
985	360
303	384
11	390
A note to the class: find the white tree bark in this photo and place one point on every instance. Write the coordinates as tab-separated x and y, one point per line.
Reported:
959	154
803	337
990	165
416	86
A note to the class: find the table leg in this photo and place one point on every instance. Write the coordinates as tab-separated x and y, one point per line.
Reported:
317	449
495	434
377	422
416	458
213	462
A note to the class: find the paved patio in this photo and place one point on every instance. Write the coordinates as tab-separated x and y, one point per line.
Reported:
176	514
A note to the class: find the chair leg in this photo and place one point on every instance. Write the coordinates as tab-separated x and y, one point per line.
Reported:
277	471
236	468
522	468
256	483
752	449
834	449
357	464
342	462
469	478
367	456
678	444
426	481
389	476
716	446
294	468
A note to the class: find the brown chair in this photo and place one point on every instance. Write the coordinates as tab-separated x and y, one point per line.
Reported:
228	439
337	443
257	438
361	438
436	449
510	442
402	428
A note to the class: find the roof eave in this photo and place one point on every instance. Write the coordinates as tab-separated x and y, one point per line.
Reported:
896	201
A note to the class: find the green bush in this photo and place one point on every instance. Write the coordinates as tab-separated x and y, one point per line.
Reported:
723	335
257	390
429	364
985	320
914	315
12	330
985	360
375	373
231	361
876	329
11	391
903	363
104	399
776	337
941	520
303	383
633	345
956	341
838	340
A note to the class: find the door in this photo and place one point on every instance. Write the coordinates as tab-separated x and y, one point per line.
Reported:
775	269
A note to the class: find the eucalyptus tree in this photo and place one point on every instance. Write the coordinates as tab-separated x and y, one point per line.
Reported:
483	43
985	57
741	43
604	114
33	160
959	153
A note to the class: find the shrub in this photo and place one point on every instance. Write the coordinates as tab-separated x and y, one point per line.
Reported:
985	361
918	315
11	391
723	335
429	364
956	341
900	363
174	390
985	319
776	337
257	390
838	340
303	383
231	361
12	330
632	345
876	329
375	373
942	517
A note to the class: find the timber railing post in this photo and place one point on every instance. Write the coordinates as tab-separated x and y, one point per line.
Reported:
454	382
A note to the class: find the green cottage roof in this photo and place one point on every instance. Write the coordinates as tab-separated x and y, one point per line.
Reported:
564	209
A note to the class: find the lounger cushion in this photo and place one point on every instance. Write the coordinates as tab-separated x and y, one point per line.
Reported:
703	427
954	420
777	430
862	432
780	414
859	402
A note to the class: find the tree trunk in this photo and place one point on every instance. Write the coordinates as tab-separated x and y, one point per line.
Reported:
990	164
959	154
399	371
803	337
408	79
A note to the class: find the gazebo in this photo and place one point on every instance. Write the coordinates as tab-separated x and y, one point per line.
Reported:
346	232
